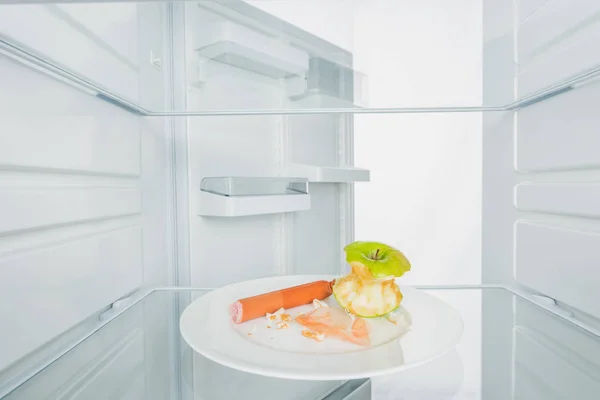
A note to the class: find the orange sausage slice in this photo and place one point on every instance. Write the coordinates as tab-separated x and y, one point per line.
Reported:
258	306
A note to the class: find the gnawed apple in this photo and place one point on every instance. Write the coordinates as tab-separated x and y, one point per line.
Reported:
370	289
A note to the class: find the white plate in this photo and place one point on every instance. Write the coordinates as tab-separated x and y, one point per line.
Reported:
207	327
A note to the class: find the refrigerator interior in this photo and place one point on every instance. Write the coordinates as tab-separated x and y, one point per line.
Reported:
146	146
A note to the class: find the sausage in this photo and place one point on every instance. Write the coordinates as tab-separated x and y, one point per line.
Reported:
258	306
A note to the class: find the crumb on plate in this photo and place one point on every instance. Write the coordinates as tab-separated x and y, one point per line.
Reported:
280	318
276	315
286	318
319	337
282	325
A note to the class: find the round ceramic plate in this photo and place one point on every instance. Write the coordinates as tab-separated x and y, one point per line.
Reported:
425	328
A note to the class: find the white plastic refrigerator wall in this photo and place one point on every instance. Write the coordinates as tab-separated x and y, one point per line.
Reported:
204	143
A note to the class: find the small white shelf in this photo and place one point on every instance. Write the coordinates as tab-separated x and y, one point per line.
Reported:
242	196
248	49
214	205
316	173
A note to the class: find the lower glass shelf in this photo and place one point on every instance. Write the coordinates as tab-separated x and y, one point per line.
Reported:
512	348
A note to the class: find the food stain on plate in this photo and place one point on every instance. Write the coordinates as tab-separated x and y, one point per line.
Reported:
325	323
280	318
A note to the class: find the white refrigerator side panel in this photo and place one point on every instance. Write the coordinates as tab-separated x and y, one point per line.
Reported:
562	263
556	43
539	162
552	359
557	165
540	175
562	133
83	206
556	195
71	226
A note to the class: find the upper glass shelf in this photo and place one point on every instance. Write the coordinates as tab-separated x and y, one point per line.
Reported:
511	348
239	57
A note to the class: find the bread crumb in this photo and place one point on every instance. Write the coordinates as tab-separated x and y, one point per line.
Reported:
281	320
282	325
319	337
286	318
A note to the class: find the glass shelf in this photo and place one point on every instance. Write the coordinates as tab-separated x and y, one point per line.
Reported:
293	57
512	348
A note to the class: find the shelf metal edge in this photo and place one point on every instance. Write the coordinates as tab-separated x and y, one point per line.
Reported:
318	111
556	311
40	64
359	389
